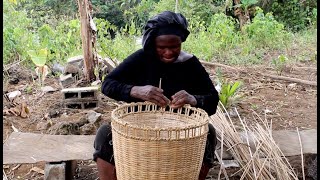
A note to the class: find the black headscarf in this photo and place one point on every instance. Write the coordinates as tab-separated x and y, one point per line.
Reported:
164	23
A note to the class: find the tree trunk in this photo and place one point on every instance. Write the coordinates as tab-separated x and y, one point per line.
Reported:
87	39
241	14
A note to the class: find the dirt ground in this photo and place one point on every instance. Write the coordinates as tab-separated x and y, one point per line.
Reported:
287	104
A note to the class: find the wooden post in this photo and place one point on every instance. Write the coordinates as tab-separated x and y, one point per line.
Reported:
86	36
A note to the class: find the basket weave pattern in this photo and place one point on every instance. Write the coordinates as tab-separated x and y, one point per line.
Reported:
151	142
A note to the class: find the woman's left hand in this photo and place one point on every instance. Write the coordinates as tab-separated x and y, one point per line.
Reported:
181	98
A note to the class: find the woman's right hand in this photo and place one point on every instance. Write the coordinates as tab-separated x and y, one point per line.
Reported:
151	94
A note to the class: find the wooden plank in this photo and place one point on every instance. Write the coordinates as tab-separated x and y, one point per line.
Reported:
32	148
288	142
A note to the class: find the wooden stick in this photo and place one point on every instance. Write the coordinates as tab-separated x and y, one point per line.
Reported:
160	83
302	161
221	151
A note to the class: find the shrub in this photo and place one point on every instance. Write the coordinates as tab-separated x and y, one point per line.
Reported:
265	31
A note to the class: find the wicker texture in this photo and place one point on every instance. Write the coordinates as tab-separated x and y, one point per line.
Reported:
151	142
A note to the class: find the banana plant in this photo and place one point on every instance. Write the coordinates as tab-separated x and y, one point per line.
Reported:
245	4
39	58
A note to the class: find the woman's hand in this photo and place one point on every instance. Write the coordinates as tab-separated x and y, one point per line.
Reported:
151	94
181	98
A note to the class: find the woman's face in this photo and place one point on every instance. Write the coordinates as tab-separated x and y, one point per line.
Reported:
168	47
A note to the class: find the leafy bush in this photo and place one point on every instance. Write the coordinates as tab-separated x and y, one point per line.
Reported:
265	31
215	38
119	47
295	14
17	34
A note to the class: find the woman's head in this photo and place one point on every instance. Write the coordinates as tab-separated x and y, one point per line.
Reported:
163	35
168	47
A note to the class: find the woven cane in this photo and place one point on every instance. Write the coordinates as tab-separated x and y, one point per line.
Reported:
154	143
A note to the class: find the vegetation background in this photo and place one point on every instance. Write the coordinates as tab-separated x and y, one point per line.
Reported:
275	25
280	37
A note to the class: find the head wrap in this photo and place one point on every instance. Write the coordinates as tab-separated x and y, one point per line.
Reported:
164	23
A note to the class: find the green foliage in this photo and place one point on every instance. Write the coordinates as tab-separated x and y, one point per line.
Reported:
280	63
21	34
245	4
139	14
265	31
229	93
110	11
33	25
295	14
38	57
17	34
119	47
207	41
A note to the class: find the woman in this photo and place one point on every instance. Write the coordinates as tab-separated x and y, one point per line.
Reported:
183	81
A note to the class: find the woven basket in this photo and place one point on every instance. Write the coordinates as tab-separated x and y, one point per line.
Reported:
151	142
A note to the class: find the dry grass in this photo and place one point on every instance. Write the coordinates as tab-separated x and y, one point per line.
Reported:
257	153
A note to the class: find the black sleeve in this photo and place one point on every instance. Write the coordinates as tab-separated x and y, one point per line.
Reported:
118	84
208	97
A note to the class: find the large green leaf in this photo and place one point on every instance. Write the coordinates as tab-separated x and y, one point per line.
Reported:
223	99
38	57
235	87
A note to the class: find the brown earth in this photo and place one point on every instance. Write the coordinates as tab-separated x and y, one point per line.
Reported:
286	104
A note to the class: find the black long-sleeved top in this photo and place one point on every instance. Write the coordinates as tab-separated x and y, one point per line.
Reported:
141	69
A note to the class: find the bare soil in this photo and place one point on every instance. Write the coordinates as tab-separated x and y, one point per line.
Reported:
288	105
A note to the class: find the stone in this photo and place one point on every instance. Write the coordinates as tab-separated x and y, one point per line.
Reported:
55	171
93	116
64	128
46	89
82	121
12	95
66	80
88	129
57	68
14	80
72	69
53	113
75	59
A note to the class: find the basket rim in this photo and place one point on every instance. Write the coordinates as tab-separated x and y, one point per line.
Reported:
117	120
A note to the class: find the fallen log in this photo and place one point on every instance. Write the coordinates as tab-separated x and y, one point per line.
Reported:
296	80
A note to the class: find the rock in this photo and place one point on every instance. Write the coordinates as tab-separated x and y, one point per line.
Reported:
75	59
88	129
292	86
14	80
53	113
72	69
82	121
64	128
66	80
57	68
93	116
46	89
55	171
12	95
